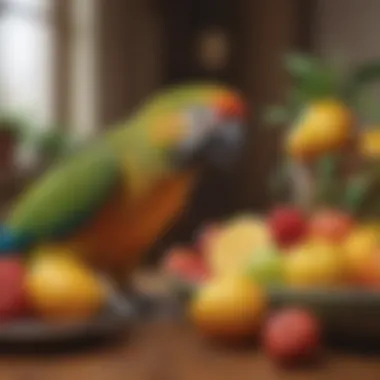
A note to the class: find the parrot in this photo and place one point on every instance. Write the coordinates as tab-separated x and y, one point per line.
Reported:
113	197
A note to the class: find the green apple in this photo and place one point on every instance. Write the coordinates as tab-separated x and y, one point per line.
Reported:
266	266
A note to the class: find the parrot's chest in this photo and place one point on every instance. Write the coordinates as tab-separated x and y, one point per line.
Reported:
142	175
127	227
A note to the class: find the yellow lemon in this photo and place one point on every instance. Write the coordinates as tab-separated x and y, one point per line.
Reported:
315	264
229	308
323	127
61	288
300	143
231	250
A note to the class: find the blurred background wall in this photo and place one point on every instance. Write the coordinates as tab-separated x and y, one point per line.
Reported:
348	28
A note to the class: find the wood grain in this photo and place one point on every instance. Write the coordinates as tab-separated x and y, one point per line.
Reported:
173	350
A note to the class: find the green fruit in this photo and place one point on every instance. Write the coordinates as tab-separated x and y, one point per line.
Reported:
266	267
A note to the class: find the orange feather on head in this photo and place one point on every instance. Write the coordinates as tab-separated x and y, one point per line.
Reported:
230	104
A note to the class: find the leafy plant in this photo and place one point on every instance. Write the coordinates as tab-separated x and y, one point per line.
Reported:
311	80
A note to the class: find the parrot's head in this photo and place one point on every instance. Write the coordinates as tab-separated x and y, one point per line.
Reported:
207	129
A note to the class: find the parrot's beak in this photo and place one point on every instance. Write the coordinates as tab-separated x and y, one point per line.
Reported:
225	145
220	149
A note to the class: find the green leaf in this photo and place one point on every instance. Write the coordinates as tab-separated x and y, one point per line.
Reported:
357	189
322	84
313	78
300	66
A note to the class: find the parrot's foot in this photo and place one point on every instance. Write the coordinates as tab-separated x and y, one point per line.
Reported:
126	300
131	298
120	303
142	303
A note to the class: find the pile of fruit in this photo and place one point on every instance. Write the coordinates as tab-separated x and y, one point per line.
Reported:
232	265
51	285
328	249
323	234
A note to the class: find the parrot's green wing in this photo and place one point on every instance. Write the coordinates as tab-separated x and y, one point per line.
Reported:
66	196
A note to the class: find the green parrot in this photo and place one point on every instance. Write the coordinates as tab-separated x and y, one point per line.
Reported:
113	198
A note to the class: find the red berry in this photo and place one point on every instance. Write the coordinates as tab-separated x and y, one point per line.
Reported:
186	263
291	336
288	225
13	297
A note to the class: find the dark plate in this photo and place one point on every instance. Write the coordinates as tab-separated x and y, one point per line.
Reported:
117	319
350	315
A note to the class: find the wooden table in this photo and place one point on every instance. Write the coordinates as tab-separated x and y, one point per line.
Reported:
165	347
170	350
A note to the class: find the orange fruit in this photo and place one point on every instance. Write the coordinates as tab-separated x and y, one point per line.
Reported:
229	308
358	249
368	274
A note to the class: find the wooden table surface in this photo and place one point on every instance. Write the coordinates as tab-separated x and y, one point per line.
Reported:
165	347
170	350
